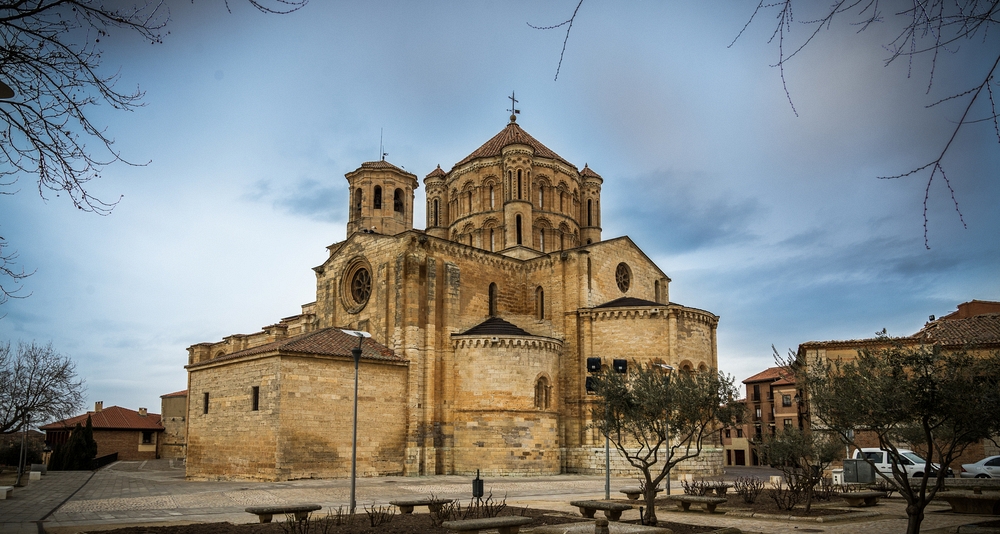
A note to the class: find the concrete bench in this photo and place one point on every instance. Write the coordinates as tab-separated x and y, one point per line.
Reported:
964	502
433	505
612	510
508	524
6	492
684	502
634	492
300	511
863	498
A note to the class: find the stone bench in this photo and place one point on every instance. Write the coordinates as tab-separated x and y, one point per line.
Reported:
433	505
964	502
300	511
684	502
863	498
634	492
6	492
507	524
612	510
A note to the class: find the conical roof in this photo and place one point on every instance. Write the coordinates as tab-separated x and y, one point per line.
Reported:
512	135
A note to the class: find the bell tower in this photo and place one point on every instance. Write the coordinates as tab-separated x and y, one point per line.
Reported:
381	198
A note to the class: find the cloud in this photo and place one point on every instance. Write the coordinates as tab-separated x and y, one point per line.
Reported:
307	197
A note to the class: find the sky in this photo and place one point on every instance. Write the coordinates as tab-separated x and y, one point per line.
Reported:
772	218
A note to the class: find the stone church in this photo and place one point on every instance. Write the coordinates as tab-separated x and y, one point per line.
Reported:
481	328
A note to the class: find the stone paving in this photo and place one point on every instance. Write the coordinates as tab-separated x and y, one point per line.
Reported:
155	492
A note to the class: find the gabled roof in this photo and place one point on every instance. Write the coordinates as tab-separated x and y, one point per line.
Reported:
778	375
628	302
111	418
326	342
495	326
182	393
512	135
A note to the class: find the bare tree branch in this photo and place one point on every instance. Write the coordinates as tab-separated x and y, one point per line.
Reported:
569	26
36	380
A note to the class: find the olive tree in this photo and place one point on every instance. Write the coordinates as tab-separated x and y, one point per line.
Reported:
937	402
801	456
657	419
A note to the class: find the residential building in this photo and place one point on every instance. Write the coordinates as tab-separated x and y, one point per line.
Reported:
134	435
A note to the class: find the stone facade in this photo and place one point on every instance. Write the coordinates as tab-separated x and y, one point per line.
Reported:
173	417
481	327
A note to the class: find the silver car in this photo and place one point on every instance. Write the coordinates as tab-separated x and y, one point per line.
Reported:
988	467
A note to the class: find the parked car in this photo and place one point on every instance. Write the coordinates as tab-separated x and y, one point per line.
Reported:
988	467
908	460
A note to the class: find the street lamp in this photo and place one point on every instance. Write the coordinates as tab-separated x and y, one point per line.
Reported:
356	352
666	423
22	456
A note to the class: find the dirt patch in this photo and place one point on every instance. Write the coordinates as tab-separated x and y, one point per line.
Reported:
766	505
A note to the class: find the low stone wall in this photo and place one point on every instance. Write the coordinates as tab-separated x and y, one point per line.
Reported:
591	461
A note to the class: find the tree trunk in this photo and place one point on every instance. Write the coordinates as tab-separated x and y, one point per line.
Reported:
650	512
914	516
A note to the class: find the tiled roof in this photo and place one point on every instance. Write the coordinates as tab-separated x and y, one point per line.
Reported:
588	172
628	302
511	135
383	164
772	374
182	393
975	330
494	326
436	172
328	342
111	418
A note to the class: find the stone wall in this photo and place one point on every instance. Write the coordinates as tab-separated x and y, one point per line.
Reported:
127	443
173	417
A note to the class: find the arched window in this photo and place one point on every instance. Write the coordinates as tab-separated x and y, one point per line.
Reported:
588	271
377	198
470	201
702	367
541	196
510	185
656	290
493	243
434	213
539	303
562	241
492	198
493	300
590	212
519	197
397	201
541	239
358	199
542	393
517	228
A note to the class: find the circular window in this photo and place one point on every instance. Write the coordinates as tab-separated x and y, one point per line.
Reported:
623	276
356	285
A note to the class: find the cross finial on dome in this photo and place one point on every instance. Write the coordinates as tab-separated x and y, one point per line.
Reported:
513	107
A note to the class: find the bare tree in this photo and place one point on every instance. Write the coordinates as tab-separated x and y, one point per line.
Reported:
36	380
923	28
10	271
50	77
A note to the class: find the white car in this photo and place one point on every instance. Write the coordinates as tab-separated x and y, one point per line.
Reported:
988	467
909	461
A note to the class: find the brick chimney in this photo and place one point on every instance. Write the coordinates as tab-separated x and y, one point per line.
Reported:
98	406
142	412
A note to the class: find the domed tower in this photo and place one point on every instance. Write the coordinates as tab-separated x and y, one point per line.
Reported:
381	198
590	216
437	203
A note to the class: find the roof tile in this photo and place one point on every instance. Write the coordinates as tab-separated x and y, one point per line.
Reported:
512	135
111	418
327	341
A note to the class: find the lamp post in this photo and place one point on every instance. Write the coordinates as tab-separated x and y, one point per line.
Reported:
356	352
666	423
24	441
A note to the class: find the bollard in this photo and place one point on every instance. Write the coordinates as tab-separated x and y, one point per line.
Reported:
601	526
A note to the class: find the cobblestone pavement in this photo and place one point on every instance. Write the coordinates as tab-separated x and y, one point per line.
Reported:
155	492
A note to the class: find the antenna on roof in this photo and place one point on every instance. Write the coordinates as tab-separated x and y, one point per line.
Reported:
513	107
381	148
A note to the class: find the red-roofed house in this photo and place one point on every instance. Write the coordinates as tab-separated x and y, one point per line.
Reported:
134	435
773	402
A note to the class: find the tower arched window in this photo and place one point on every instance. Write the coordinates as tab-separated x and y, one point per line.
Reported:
510	185
493	242
541	239
542	389
470	201
397	201
493	299
590	212
434	213
492	198
519	197
539	303
358	199
377	198
517	228
541	196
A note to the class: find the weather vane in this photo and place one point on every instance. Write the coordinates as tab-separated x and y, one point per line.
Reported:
513	107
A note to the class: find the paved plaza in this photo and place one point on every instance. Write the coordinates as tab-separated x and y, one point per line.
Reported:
155	493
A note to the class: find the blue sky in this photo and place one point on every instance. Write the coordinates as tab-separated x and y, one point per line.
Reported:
773	221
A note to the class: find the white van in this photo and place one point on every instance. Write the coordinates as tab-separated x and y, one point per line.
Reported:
908	460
